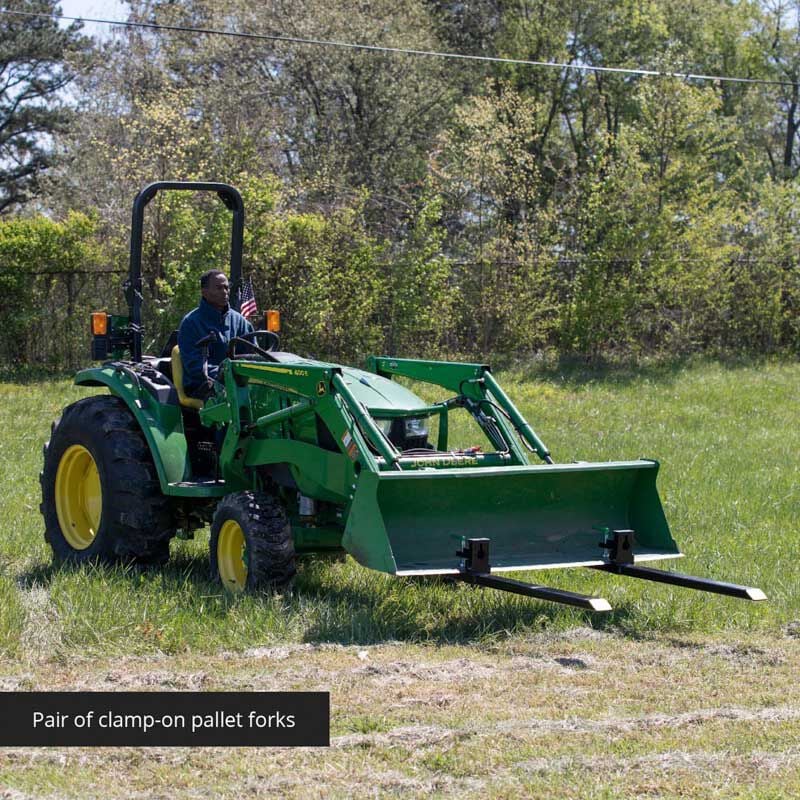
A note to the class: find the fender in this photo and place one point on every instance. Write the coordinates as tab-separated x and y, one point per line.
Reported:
160	423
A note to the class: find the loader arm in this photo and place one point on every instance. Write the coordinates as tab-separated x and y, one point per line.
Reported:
479	392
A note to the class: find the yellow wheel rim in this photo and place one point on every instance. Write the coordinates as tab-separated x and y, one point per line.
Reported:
79	497
232	556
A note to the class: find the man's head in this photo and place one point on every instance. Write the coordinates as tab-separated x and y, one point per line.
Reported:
214	288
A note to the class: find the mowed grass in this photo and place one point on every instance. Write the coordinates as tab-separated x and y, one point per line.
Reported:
577	714
728	440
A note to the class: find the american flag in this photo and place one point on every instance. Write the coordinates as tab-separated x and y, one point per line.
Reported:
248	305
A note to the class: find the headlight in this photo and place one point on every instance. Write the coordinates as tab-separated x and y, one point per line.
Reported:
405	432
415	428
385	425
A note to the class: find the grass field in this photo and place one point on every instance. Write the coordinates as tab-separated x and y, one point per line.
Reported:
447	690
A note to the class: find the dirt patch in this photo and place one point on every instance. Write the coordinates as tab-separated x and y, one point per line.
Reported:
411	737
415	737
277	653
283	651
13	794
652	721
793	629
164	679
405	673
734	652
16	683
42	634
670	761
577	634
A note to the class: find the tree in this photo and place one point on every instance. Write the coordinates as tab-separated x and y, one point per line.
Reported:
33	74
779	37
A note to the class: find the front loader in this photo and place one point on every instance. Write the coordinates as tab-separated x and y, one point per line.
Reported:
290	455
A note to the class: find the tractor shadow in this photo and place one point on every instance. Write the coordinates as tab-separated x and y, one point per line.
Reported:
40	575
335	602
433	610
194	569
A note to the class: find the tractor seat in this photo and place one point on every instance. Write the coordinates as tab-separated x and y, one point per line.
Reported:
177	379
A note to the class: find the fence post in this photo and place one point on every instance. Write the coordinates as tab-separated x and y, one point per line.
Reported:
70	309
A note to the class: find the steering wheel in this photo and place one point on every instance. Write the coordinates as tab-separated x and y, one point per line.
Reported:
273	342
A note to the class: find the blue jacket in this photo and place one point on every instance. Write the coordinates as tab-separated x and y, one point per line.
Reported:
194	326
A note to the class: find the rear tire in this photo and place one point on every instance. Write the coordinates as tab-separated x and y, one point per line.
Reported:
251	545
101	498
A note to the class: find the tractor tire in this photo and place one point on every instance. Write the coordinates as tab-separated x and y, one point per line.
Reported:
101	498
251	545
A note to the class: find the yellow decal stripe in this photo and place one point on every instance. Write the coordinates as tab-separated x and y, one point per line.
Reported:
279	370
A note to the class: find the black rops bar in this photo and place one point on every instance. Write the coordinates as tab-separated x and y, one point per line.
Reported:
232	200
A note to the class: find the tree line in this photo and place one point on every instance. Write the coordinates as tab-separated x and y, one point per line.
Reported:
412	204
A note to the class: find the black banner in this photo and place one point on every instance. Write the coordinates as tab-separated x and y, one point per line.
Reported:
164	719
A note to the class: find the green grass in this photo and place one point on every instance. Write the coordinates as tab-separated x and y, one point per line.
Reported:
727	438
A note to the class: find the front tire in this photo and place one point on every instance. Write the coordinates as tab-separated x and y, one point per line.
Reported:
251	545
101	498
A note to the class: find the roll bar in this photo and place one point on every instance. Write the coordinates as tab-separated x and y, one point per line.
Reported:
133	288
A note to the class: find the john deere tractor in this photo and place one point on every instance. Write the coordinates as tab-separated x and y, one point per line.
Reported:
291	455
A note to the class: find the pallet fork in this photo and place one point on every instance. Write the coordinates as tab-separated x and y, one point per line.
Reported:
476	570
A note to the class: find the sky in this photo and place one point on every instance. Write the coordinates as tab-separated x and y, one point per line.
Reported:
110	9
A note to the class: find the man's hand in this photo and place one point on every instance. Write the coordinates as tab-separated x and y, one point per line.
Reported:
207	339
205	389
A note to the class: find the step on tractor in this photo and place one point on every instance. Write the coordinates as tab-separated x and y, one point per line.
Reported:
291	455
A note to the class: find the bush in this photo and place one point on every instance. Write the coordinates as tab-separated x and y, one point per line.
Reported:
51	277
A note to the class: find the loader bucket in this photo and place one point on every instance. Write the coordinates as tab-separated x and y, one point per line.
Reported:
536	517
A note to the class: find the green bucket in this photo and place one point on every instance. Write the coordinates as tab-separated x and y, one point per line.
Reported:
536	517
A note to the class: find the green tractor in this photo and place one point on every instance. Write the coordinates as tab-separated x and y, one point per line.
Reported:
292	455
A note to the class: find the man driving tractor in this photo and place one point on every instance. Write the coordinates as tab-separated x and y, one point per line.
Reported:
212	317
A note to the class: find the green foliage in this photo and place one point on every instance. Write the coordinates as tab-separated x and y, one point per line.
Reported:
491	173
654	239
323	273
650	250
42	300
191	235
764	306
399	204
421	305
34	244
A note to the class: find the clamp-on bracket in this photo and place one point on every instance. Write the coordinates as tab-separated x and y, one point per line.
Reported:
619	544
475	553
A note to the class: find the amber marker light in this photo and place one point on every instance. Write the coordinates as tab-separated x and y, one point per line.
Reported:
99	323
273	320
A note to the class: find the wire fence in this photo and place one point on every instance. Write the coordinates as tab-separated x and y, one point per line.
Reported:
48	326
44	315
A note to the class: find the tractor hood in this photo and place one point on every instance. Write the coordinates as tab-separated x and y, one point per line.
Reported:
374	391
377	393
